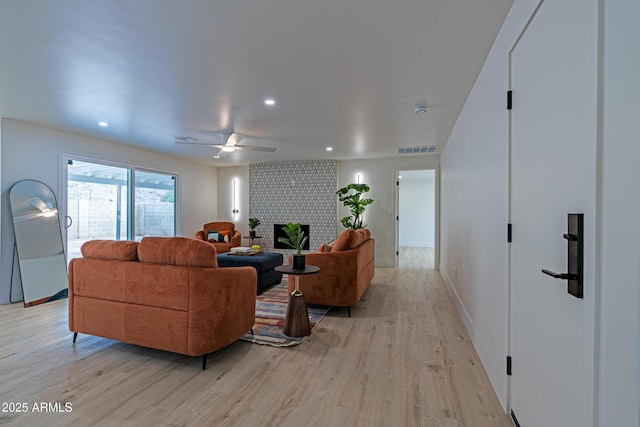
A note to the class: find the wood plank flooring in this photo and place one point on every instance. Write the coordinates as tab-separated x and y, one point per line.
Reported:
402	359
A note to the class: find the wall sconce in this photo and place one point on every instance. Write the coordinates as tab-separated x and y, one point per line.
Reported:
358	178
235	191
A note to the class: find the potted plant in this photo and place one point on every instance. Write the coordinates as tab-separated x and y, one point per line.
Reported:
253	223
352	197
296	239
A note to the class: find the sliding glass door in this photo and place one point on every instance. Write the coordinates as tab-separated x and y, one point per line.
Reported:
155	207
117	203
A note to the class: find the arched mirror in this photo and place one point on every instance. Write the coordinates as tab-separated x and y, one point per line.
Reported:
41	260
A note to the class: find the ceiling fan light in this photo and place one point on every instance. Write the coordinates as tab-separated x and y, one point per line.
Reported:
228	149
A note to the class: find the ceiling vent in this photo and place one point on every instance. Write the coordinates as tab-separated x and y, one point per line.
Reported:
425	149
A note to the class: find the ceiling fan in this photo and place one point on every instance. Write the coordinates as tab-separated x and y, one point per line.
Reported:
229	144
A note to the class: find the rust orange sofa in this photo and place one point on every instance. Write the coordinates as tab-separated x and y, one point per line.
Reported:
165	293
346	270
232	237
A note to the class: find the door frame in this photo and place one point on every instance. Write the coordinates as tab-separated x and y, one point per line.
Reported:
436	249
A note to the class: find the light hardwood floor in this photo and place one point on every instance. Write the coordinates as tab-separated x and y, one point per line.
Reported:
402	359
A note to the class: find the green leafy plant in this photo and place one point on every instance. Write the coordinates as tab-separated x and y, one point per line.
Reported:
352	197
295	237
253	223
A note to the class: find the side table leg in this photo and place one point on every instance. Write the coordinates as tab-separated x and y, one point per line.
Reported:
296	323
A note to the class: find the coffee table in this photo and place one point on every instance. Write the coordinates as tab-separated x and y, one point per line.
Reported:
296	324
264	264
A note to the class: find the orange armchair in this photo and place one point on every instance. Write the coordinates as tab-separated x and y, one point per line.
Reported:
222	227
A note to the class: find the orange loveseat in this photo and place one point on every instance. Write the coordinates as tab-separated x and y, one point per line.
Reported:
164	292
232	237
346	270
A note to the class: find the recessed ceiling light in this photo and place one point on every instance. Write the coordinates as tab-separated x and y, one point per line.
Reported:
329	148
228	149
270	101
103	124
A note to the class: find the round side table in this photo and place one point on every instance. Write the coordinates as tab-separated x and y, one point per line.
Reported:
251	239
296	323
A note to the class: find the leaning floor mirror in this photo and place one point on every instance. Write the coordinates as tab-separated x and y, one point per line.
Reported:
41	260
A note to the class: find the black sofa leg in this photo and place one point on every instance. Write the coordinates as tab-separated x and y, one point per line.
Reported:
75	335
204	362
252	331
349	311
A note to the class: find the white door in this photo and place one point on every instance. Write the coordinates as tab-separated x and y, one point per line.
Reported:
553	73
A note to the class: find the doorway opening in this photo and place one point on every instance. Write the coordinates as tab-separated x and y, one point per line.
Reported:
416	233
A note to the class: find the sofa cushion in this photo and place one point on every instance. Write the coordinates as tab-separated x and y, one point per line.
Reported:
119	250
182	251
366	233
344	241
358	239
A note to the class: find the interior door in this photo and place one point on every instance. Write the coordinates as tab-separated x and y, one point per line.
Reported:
553	72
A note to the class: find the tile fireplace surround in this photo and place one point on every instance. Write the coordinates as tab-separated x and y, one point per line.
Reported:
300	191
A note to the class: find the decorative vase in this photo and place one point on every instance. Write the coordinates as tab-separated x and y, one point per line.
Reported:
252	233
298	262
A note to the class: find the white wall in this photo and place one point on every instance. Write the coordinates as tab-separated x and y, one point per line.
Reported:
620	216
380	175
35	152
417	212
474	204
225	198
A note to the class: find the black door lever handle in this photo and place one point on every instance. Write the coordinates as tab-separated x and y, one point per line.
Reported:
563	276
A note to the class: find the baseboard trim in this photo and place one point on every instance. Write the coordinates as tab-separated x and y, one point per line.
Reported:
495	371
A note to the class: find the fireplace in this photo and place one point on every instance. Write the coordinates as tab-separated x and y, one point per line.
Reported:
278	232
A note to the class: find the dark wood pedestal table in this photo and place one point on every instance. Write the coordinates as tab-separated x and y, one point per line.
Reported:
296	323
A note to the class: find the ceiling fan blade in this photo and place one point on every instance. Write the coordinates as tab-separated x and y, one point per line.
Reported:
255	148
247	147
231	138
220	154
197	143
228	140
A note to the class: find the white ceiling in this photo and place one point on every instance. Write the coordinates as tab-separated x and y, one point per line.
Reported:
344	73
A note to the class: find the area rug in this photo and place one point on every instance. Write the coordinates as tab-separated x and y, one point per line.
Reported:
271	310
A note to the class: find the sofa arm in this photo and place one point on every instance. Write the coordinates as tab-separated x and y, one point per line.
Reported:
236	239
222	307
199	235
335	284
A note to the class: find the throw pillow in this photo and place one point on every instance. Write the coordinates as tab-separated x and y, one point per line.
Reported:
215	236
225	235
325	247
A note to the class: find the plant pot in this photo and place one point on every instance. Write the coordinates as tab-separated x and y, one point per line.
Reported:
252	233
298	262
